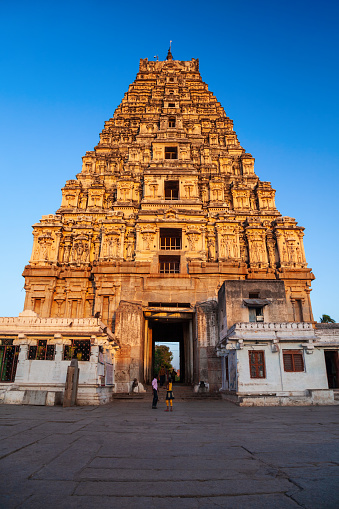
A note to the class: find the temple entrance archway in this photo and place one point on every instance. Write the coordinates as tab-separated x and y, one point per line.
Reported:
170	330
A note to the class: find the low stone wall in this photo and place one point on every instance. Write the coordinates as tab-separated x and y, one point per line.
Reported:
305	398
51	396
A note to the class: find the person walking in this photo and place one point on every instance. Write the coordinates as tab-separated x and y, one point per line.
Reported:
155	391
169	396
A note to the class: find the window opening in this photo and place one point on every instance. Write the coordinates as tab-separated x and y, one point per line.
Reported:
41	352
171	122
170	238
256	314
8	360
293	360
172	190
169	264
171	152
171	105
79	349
257	364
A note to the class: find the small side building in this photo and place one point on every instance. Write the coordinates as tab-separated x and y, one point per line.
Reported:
266	359
36	352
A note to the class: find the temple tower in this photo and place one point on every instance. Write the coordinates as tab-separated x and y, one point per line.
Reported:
165	209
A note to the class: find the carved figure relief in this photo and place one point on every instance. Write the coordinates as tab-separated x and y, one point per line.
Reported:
210	249
147	240
97	243
271	250
83	200
45	243
80	251
257	250
112	246
130	249
228	247
67	250
192	240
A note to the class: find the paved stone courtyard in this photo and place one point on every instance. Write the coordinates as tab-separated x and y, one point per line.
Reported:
204	454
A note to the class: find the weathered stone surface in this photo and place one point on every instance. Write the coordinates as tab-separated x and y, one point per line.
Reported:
204	455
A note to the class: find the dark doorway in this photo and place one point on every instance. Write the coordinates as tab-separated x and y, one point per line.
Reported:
332	368
167	332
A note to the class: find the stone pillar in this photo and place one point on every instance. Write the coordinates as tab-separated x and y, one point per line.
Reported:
207	338
71	386
190	332
223	372
129	331
21	341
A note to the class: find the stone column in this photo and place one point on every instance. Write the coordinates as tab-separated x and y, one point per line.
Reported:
190	330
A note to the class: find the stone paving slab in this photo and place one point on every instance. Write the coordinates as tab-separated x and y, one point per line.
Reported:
239	502
206	454
192	488
116	474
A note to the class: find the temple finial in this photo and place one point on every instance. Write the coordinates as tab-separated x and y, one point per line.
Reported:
169	54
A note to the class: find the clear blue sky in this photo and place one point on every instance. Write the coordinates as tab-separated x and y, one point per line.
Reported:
273	66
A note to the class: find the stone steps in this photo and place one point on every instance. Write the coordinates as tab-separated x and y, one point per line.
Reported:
180	392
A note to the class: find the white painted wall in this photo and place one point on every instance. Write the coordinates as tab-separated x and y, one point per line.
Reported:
314	376
55	371
277	380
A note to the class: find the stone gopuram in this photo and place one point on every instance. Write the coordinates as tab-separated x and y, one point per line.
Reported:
168	236
165	209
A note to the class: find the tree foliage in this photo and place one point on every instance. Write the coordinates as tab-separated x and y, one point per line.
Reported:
326	319
162	356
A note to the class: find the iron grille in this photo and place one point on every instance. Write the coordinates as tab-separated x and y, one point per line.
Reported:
41	352
8	362
79	349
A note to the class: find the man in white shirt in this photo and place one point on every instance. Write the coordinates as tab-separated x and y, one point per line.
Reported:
155	392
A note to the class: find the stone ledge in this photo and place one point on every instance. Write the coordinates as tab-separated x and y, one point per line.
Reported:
309	398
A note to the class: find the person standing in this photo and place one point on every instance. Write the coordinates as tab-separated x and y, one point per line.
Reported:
162	375
169	396
155	391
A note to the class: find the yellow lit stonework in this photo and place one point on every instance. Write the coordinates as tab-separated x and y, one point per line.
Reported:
168	166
